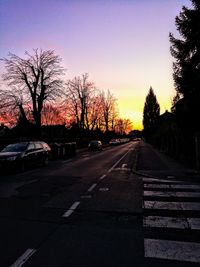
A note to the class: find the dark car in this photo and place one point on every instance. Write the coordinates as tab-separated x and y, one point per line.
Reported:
95	145
24	154
114	142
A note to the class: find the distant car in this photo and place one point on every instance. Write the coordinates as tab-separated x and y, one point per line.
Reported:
24	154
95	145
114	142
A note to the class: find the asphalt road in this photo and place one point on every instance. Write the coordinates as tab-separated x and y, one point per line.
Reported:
80	212
106	208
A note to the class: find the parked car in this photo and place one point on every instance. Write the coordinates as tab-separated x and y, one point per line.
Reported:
114	142
95	145
24	154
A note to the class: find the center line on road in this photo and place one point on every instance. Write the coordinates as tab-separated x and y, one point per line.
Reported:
118	161
102	177
92	187
23	258
71	209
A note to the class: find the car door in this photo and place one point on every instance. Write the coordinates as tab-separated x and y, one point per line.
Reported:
30	157
39	152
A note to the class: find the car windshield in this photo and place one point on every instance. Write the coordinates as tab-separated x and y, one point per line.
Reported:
19	147
94	143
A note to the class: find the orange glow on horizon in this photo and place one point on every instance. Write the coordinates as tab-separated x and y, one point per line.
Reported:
132	108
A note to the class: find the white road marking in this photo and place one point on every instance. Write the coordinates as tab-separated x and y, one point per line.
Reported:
194	223
166	205
24	257
86	196
173	186
166	222
71	209
102	177
171	194
124	166
66	161
104	189
118	161
172	222
149	180
170	177
92	187
190	205
172	250
121	169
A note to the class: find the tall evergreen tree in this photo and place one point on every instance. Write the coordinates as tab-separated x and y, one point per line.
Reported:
186	68
151	113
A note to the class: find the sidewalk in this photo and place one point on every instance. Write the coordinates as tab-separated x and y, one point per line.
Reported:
171	210
152	162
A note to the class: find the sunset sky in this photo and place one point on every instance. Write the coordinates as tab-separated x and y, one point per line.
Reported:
122	44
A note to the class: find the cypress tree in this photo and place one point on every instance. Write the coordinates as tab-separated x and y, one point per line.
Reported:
186	67
151	113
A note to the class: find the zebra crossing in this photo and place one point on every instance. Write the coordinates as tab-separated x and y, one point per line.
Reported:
171	220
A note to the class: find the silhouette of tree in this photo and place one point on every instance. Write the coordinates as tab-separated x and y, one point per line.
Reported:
186	68
109	109
52	115
33	81
78	93
123	126
151	113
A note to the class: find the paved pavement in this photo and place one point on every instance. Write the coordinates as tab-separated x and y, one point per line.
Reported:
171	210
126	206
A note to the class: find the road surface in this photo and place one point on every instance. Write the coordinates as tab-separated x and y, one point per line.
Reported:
106	208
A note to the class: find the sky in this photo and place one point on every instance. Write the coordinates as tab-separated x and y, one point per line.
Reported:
122	44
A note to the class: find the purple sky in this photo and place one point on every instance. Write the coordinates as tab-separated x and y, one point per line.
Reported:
123	45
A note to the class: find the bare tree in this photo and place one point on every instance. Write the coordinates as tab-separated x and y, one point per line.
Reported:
11	108
52	115
123	126
34	81
109	109
78	92
95	112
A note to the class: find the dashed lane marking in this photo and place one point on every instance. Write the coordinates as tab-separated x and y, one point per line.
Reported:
92	187
24	257
71	209
102	177
86	196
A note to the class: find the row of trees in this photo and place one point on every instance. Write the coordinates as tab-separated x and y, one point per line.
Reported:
186	67
186	74
33	91
179	132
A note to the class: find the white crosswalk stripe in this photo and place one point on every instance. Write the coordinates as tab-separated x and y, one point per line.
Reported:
171	219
